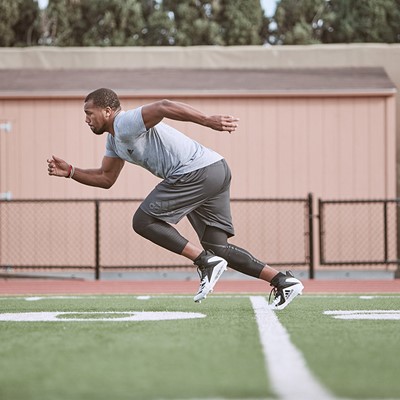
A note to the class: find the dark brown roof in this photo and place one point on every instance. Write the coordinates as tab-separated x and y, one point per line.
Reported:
27	82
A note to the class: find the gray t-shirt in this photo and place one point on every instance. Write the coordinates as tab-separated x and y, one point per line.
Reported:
162	150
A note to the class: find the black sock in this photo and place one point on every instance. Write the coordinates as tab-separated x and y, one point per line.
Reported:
203	253
275	279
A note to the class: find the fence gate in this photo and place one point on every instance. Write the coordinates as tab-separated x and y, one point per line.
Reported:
358	232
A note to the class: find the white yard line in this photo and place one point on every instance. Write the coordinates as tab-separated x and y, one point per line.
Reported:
289	375
155	296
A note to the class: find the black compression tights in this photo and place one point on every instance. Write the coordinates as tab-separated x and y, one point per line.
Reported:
158	232
239	259
214	239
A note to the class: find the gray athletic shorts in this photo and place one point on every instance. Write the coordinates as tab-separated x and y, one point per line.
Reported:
202	195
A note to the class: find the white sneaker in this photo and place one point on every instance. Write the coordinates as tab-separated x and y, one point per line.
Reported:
210	269
285	288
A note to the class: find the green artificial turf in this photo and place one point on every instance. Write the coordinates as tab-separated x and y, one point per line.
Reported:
215	357
356	359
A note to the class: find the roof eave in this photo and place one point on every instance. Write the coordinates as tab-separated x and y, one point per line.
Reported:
381	92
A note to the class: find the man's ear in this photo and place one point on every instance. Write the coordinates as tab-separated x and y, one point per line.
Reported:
108	111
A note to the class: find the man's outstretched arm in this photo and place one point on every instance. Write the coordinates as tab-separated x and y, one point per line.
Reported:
154	113
103	177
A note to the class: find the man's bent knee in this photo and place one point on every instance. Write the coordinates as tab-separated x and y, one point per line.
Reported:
141	221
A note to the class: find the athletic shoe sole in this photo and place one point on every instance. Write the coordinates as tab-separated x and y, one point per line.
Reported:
295	290
209	287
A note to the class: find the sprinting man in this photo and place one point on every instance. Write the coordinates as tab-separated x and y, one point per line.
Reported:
195	183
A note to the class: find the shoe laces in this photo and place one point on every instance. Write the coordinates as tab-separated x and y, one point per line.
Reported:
202	275
275	293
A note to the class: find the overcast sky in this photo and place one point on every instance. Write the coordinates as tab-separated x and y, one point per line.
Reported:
267	5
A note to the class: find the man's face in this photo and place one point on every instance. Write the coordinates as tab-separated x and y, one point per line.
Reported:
96	117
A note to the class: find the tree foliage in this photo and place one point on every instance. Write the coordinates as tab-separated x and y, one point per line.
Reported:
94	23
335	21
371	21
27	25
196	22
19	23
9	13
241	22
302	22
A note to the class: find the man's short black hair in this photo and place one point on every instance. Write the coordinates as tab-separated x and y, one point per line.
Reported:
104	98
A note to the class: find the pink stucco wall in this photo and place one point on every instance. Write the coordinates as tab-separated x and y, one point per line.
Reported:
337	147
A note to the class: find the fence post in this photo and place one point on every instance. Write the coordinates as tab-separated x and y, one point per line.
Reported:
385	231
311	235
397	272
321	232
97	240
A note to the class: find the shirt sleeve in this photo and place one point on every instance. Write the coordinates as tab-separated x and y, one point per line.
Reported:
110	152
131	124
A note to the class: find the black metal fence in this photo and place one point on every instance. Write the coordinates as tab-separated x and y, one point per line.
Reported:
359	232
97	234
